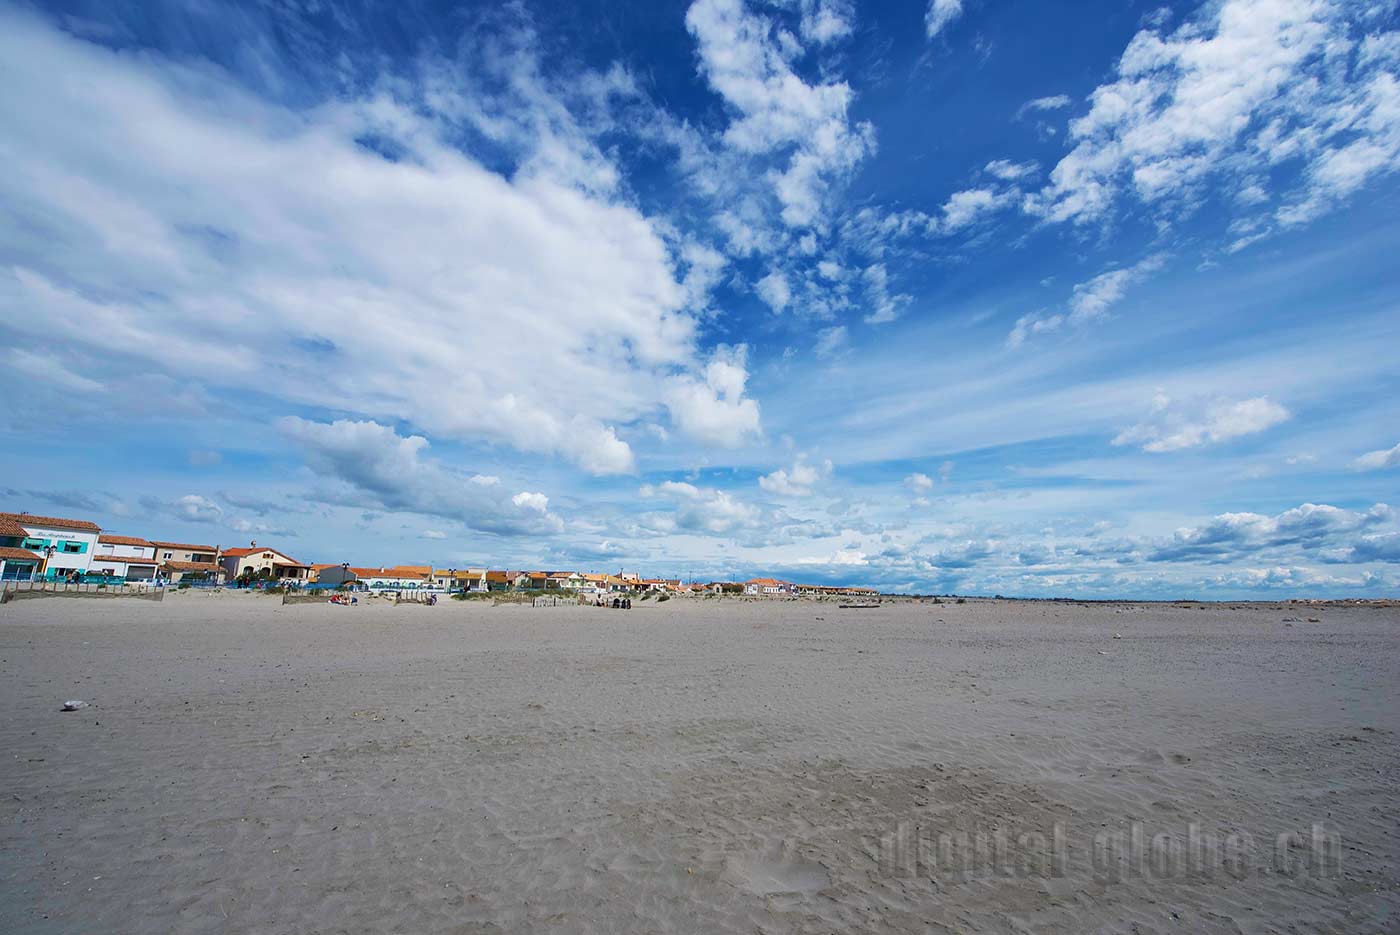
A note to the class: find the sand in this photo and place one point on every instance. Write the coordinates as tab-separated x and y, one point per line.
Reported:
698	766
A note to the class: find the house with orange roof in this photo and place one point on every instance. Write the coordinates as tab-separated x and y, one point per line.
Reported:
263	562
398	578
766	587
505	580
460	579
128	557
65	545
185	552
16	563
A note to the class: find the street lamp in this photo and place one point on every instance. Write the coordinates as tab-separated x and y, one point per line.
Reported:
48	557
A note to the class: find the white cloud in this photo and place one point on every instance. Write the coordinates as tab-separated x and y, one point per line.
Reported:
748	62
1376	460
1311	525
966	207
432	534
919	482
50	369
940	14
773	289
531	501
365	464
798	481
197	508
185	199
1009	171
884	307
704	510
712	408
1176	426
830	341
1089	302
1234	95
826	21
1040	104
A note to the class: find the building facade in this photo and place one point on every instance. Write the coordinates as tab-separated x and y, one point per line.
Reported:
66	546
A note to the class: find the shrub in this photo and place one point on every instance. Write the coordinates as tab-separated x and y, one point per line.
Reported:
663	598
962	600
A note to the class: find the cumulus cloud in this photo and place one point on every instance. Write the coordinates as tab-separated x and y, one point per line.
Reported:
824	21
712	407
1228	535
368	465
1383	547
747	60
705	511
796	482
188	199
1376	460
940	14
1248	90
1174	426
773	289
432	534
919	482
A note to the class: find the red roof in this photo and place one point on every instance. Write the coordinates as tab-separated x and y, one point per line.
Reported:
22	554
31	519
124	559
123	540
244	553
11	530
184	546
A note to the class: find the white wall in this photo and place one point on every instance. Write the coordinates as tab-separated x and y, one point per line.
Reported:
57	536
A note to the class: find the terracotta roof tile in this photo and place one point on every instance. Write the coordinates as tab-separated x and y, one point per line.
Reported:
111	539
23	554
36	520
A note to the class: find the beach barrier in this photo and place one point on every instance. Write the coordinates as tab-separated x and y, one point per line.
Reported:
293	598
23	590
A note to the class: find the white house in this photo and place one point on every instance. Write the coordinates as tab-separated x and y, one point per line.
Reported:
66	545
126	557
460	579
766	587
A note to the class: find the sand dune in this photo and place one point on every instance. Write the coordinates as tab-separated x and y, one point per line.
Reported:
699	766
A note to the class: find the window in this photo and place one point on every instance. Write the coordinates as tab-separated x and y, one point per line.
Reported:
74	548
169	554
32	543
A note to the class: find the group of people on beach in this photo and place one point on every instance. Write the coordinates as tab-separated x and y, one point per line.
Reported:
618	603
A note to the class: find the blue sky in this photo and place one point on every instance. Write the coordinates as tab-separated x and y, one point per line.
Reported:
1091	299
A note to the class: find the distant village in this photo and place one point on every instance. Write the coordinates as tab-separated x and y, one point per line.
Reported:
49	548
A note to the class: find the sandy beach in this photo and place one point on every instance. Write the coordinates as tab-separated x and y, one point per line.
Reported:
697	766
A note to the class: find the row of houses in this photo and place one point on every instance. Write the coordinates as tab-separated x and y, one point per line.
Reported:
49	547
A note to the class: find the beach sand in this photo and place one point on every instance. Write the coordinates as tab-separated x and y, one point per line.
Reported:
696	766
